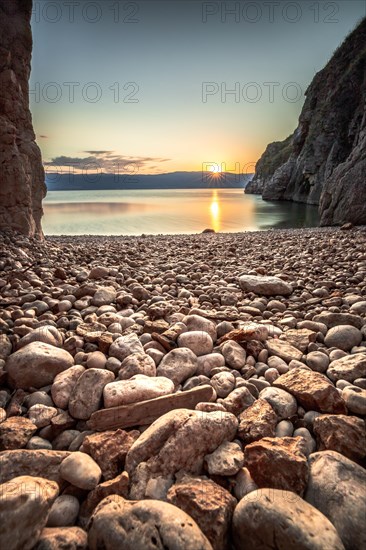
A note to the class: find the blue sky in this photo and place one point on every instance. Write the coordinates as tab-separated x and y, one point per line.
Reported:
148	83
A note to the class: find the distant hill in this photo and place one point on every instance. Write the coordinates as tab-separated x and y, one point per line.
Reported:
173	180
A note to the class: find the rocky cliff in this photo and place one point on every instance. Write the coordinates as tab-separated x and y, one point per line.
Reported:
22	185
324	161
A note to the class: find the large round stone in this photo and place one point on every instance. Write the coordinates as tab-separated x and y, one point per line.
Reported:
36	365
272	518
343	337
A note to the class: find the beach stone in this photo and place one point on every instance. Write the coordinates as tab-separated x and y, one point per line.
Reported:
358	308
104	296
348	368
57	538
272	518
344	434
205	363
265	285
285	428
279	463
137	363
223	383
24	506
98	272
178	365
36	443
15	432
125	345
257	421
177	441
282	402
337	487
283	349
96	360
343	337
237	401
312	390
63	385
198	341
109	450
226	460
277	363
335	319
36	463
47	334
300	338
235	356
355	399
136	389
199	323
115	486
317	361
149	524
36	365
244	484
64	511
86	396
81	470
210	505
38	398
41	415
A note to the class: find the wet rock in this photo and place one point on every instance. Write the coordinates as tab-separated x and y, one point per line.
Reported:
279	463
256	422
24	506
270	518
149	524
312	390
36	365
210	505
337	489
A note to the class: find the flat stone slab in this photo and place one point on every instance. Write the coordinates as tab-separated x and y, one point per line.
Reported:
147	411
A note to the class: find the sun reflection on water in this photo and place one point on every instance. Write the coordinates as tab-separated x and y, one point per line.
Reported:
215	211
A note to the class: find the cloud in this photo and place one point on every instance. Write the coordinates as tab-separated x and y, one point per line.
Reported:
103	161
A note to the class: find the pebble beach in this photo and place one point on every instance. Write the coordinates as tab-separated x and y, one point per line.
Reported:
190	392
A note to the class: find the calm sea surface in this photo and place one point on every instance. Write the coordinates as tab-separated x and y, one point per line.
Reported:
120	212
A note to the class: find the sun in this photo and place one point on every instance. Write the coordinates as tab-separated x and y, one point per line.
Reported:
215	170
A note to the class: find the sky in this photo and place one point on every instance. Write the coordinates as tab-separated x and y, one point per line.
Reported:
162	86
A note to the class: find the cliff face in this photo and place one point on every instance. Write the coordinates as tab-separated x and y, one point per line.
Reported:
22	181
326	162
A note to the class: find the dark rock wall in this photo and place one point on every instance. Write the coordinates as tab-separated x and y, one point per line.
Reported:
22	181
